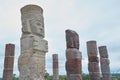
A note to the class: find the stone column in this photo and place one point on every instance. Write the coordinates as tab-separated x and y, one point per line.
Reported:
8	62
93	65
73	56
31	61
104	61
55	67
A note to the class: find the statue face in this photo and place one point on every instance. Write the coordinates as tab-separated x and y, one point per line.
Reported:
37	27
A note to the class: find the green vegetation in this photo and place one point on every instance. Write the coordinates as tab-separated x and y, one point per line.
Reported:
85	76
116	76
14	77
64	77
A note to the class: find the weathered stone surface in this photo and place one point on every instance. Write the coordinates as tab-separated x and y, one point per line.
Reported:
93	59
31	62
32	20
7	74
103	52
104	61
73	66
72	39
8	62
55	67
93	65
73	56
35	43
105	65
92	48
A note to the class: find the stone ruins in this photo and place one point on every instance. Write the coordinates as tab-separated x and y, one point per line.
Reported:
73	56
104	61
8	62
93	65
55	67
31	61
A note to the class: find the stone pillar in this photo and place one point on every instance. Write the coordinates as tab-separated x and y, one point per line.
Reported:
104	61
73	56
8	62
55	67
93	65
31	61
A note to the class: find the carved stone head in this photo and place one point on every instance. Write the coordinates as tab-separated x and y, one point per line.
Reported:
32	20
103	52
72	39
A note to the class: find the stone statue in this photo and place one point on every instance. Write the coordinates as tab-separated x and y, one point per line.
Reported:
73	56
31	61
104	62
93	61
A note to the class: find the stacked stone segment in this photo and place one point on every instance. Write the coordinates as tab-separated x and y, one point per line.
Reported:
8	62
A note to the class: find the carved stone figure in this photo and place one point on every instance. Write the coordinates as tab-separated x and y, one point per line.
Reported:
73	56
31	62
93	65
104	61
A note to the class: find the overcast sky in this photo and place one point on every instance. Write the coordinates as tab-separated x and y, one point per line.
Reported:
97	20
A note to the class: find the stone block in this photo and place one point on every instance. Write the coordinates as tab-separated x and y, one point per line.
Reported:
8	74
9	62
93	59
103	52
40	44
73	54
9	50
92	48
72	39
93	67
73	66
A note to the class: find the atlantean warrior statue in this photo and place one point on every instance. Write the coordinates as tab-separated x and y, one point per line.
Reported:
31	62
93	61
104	61
73	56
